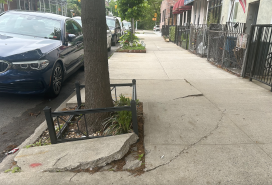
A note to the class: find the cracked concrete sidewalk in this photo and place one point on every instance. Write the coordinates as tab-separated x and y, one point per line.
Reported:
202	124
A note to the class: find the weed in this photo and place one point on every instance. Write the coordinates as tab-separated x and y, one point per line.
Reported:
140	156
14	170
9	170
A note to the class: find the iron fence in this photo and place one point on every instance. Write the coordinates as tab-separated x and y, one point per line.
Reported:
57	133
182	36
258	61
198	39
216	43
233	54
165	30
226	45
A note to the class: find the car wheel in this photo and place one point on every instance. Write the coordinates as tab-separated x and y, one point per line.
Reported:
114	41
56	81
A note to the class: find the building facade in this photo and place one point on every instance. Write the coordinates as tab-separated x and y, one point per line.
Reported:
256	12
167	16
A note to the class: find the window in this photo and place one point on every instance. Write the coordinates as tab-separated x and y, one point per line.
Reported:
73	27
214	12
30	25
111	23
233	10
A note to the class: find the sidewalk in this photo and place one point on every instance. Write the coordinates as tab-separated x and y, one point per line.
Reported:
202	124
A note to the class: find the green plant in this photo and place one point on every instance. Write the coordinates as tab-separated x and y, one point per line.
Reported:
14	170
126	39
119	122
172	32
8	170
140	156
211	19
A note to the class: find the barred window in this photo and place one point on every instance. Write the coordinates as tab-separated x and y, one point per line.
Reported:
214	12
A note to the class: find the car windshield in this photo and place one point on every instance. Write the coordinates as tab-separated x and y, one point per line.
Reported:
127	24
111	23
30	25
78	21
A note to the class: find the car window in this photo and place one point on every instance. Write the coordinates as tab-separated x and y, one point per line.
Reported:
30	25
79	21
73	27
111	22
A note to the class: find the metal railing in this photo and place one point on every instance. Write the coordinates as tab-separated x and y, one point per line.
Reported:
198	39
223	46
183	34
80	113
216	43
165	30
258	61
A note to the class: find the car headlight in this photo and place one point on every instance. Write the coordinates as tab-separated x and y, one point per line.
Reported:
35	65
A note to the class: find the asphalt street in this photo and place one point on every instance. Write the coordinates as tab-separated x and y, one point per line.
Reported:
20	115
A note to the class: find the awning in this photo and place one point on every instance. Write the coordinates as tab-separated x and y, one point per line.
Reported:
179	7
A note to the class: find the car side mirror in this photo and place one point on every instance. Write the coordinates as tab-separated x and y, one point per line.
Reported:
71	37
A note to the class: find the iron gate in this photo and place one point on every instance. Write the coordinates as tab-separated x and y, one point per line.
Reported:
258	62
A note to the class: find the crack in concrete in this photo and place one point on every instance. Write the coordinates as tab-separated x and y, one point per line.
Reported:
59	159
188	82
192	95
73	176
192	145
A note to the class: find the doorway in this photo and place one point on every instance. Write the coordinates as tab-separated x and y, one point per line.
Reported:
252	15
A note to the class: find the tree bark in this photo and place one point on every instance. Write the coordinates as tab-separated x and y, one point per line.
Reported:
97	82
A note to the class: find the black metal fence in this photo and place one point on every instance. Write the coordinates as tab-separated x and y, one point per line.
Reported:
216	43
198	39
165	30
57	132
258	65
226	45
182	36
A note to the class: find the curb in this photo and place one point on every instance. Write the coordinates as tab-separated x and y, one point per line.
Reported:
6	163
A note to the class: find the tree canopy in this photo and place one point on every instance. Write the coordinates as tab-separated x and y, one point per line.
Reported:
74	5
146	21
4	1
128	9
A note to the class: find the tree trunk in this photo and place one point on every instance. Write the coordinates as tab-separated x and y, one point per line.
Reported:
97	89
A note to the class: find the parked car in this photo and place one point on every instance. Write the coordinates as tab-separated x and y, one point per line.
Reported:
121	25
127	25
78	19
38	51
115	28
156	28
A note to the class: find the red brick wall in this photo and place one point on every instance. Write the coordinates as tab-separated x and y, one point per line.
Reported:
166	4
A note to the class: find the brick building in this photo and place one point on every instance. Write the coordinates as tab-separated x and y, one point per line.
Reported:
167	17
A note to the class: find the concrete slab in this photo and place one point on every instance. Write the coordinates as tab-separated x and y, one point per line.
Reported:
75	155
165	90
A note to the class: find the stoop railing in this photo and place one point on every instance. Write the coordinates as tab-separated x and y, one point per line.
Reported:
80	113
